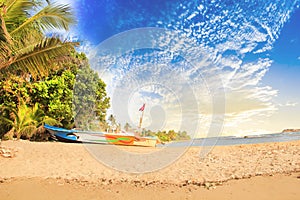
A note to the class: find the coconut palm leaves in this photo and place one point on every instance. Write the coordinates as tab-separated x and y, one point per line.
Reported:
23	44
37	57
26	121
50	17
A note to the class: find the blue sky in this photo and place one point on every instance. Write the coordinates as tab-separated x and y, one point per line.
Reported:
283	74
253	46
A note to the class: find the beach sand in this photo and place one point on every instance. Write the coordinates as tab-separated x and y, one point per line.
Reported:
53	170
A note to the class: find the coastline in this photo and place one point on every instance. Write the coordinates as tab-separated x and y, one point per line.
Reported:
72	164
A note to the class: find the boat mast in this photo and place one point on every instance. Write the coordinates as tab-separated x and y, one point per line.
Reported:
141	118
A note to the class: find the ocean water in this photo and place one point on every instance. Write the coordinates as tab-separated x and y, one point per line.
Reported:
231	140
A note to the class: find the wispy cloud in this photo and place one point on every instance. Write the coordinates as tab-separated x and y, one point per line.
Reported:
212	52
288	104
70	2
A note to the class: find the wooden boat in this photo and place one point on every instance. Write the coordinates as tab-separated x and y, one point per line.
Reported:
123	138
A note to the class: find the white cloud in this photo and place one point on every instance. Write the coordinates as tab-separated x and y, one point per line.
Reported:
289	104
188	90
88	48
70	2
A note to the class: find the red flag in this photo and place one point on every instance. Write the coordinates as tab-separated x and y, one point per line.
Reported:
142	108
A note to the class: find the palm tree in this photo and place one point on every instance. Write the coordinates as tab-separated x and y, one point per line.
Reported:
127	126
27	121
23	44
112	122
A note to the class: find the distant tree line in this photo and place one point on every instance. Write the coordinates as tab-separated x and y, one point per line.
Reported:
165	136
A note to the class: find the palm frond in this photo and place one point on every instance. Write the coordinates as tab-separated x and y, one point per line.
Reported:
51	121
17	11
50	17
5	49
27	131
8	121
37	114
37	58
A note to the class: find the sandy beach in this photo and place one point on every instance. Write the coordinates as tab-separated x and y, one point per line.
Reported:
53	170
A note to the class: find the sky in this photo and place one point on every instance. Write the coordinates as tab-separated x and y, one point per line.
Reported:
214	67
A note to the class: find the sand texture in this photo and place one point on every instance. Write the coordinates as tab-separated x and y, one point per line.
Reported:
71	170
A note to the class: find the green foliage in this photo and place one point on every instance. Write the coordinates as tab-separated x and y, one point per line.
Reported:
182	136
42	69
4	126
90	98
26	121
23	46
55	94
102	101
171	135
163	136
127	126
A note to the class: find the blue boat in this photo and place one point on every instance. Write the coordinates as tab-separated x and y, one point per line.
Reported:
61	134
77	136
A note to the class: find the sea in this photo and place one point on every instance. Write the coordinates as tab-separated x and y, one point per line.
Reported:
232	140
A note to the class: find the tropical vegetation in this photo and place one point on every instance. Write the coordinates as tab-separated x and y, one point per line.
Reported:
27	40
164	136
170	135
44	80
90	101
38	71
27	121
